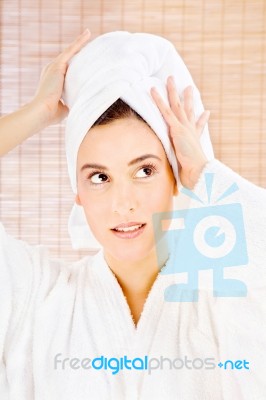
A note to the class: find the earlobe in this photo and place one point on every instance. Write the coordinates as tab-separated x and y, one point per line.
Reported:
77	200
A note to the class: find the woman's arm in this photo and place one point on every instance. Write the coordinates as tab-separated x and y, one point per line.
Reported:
21	124
46	108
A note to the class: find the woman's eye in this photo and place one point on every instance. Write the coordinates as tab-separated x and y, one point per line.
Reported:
98	178
144	172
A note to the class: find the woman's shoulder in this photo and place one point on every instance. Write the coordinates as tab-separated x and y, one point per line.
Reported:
216	175
17	257
30	278
227	194
22	260
25	269
218	184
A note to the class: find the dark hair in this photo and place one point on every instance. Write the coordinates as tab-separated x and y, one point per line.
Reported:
118	110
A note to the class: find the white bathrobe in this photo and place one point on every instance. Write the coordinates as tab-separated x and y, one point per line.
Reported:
51	311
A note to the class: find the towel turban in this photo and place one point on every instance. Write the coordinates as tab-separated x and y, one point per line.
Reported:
120	65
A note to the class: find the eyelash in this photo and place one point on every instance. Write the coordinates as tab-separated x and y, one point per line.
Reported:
149	165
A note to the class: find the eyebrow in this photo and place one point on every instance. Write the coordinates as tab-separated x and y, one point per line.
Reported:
132	162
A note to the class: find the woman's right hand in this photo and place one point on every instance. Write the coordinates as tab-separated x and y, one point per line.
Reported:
46	108
49	91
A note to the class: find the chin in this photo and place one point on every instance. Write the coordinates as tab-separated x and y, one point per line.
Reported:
130	253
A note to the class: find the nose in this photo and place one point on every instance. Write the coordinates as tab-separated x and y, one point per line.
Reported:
124	198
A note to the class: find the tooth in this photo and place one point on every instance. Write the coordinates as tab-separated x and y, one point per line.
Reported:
130	228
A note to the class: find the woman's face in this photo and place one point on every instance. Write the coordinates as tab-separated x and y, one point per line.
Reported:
123	178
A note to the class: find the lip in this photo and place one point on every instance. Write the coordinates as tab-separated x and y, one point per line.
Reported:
128	224
129	234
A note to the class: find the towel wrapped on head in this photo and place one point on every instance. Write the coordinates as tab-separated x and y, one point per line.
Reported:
121	65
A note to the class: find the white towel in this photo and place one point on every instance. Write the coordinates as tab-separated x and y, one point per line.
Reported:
121	65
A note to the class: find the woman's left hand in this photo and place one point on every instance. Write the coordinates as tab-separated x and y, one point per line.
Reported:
184	132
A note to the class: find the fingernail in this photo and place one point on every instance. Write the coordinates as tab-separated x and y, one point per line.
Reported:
171	79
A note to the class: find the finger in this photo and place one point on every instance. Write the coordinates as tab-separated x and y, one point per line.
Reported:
63	109
74	47
202	121
174	100
173	91
189	104
61	114
165	110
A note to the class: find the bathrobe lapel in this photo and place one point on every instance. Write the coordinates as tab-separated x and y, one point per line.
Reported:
115	313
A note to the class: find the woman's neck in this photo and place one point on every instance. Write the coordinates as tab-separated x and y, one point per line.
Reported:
135	277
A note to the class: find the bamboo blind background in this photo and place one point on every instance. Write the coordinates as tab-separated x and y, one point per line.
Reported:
223	44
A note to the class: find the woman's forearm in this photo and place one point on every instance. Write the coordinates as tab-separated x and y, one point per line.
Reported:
47	107
20	125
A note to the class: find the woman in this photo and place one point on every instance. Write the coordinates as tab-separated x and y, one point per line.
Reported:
101	328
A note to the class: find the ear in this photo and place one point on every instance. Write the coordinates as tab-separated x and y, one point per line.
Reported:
77	200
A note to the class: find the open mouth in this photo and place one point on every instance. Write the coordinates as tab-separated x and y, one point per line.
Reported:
129	228
128	231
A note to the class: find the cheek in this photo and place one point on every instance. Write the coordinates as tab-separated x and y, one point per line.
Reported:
93	209
96	217
161	198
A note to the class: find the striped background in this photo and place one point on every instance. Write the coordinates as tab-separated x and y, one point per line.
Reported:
223	45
